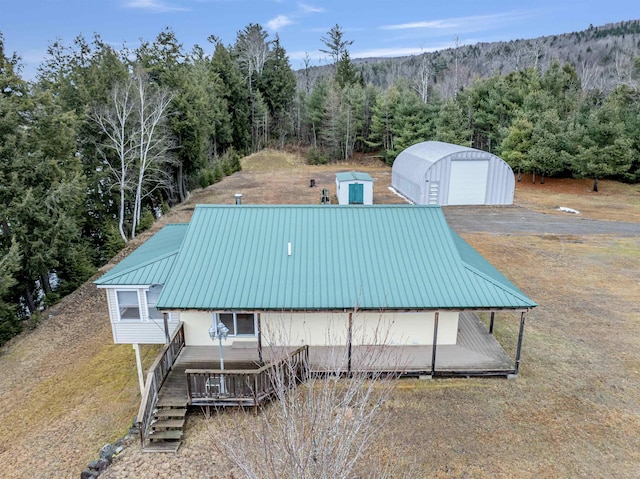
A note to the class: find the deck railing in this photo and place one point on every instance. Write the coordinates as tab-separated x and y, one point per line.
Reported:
155	377
251	387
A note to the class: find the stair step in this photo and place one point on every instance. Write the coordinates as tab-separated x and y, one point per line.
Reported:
166	423
172	402
162	447
170	412
174	435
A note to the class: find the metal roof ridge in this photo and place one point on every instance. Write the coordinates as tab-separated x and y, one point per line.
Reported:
518	294
136	267
466	266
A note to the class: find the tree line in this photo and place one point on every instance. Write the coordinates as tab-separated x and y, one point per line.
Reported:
105	140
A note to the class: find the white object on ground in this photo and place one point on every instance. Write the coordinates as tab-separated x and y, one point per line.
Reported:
568	210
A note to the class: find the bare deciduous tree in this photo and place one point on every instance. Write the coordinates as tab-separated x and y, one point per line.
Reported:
153	142
423	77
116	122
325	426
137	150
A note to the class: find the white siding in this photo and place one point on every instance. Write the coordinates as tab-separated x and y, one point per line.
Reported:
143	331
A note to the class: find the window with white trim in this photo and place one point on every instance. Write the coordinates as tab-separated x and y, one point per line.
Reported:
240	324
128	305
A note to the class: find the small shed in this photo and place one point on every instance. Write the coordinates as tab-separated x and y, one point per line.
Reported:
354	188
437	173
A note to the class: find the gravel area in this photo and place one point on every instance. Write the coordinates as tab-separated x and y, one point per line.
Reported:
515	220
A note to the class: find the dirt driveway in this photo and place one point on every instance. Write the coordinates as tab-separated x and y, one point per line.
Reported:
516	220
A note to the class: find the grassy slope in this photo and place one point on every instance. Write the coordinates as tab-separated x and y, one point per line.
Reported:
65	390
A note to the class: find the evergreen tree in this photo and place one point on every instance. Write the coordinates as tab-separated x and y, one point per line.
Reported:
235	95
452	126
336	45
278	87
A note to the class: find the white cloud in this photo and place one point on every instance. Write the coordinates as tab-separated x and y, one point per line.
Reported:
465	24
413	25
310	8
391	52
153	6
278	22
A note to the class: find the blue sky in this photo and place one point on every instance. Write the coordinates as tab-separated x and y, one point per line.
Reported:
378	28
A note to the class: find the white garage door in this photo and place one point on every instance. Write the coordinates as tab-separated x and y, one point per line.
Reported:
468	182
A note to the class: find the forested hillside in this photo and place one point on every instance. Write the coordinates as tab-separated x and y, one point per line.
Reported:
104	140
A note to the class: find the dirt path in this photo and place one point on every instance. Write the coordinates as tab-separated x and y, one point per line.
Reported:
516	220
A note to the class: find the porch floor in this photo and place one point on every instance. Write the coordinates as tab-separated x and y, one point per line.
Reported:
476	352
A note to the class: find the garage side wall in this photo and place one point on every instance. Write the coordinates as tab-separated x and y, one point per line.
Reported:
408	177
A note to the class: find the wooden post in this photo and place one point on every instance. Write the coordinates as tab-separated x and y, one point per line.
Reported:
435	342
491	322
260	360
520	335
349	341
136	348
167	336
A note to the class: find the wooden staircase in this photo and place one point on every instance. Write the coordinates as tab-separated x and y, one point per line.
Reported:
166	428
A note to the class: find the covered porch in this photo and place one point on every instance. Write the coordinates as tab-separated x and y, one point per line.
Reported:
476	353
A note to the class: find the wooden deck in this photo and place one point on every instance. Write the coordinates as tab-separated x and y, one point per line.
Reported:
476	353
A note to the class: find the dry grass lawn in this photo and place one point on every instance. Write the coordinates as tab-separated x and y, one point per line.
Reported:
574	411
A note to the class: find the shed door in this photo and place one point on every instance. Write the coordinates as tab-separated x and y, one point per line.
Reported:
468	182
356	194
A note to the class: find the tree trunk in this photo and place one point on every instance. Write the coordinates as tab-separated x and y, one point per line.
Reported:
180	181
533	177
28	298
45	283
542	179
595	184
519	175
121	215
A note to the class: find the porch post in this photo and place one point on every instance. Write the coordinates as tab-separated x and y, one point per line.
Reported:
435	342
520	335
260	360
491	322
136	348
349	341
167	336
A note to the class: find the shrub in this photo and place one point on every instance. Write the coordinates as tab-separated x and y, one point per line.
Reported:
316	156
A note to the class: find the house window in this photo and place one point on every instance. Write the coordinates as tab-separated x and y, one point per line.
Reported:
152	299
128	305
239	324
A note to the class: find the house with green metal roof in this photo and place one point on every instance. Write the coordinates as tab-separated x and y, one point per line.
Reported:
326	275
280	290
354	188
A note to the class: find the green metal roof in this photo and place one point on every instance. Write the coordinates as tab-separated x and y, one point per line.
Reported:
370	257
353	175
149	264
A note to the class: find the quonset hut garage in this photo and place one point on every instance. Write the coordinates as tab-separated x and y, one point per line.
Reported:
437	173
